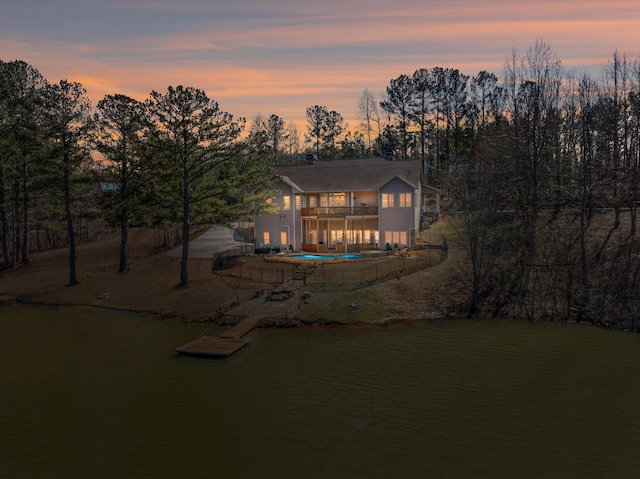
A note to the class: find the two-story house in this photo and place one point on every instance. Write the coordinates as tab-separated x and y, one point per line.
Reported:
347	206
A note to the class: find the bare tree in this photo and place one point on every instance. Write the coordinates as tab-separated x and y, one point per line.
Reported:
369	116
292	140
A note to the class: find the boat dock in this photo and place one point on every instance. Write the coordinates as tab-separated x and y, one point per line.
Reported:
234	338
223	345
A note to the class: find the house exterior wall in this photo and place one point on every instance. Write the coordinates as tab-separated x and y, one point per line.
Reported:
282	228
397	220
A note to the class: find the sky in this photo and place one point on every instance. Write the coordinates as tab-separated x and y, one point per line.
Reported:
282	56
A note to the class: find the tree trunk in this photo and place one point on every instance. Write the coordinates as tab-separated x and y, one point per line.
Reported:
184	272
72	245
4	227
25	221
124	231
70	233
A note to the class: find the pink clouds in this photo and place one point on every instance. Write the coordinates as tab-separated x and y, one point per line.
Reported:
281	57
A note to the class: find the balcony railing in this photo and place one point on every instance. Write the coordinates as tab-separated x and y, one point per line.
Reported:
341	211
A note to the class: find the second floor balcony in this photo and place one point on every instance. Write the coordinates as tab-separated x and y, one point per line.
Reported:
340	211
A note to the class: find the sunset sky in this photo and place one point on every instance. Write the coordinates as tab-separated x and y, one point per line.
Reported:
282	56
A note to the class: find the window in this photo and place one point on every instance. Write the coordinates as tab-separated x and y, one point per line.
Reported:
283	238
388	200
337	199
311	200
404	200
393	237
266	238
286	202
298	202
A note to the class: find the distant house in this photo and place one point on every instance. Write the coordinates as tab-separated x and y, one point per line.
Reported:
348	205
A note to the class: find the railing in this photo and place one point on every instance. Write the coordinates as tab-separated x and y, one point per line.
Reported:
338	247
341	211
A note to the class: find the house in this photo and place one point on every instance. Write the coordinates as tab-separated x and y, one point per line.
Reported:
347	205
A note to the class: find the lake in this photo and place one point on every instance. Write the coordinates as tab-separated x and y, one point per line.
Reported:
100	394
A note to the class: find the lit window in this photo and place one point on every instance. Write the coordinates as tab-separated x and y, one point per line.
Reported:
337	199
388	200
311	200
267	238
286	202
283	238
298	202
393	237
405	200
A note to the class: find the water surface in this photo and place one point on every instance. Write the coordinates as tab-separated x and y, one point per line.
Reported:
89	393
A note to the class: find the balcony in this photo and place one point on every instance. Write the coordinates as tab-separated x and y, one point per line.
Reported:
340	211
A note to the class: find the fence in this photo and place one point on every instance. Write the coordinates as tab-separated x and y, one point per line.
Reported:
328	276
241	250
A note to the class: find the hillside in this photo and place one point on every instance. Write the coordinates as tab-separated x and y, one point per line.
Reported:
151	285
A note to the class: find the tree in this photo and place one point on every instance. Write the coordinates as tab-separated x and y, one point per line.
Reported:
421	106
479	191
486	96
353	145
369	115
21	150
533	88
324	128
398	104
191	140
68	125
276	134
333	128
292	140
120	122
316	119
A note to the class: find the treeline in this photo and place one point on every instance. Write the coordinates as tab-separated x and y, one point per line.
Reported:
543	164
546	180
175	158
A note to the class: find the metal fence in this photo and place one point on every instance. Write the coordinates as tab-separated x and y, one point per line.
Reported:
319	275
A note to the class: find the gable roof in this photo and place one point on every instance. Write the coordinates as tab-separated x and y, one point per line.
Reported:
401	178
350	175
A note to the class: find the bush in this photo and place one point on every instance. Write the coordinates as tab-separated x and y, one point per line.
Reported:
267	250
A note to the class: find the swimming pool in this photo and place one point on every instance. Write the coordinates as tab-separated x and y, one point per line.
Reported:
325	256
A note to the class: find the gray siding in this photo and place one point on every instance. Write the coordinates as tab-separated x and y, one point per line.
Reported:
285	221
397	220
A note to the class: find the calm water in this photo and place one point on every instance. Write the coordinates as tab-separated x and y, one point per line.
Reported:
94	394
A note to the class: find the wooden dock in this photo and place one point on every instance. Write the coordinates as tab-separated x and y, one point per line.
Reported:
212	347
242	328
223	345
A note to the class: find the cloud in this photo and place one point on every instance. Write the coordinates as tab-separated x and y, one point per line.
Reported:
282	56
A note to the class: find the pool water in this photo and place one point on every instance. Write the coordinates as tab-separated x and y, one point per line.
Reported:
325	256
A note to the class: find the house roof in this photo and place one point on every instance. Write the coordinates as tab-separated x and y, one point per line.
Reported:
350	175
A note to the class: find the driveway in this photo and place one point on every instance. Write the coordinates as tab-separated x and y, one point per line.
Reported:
213	241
